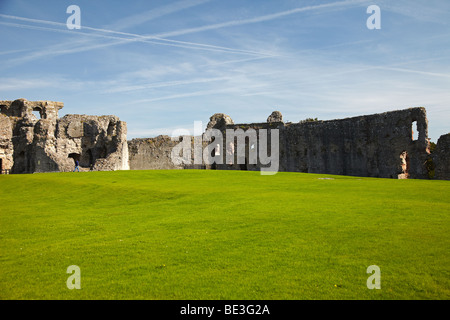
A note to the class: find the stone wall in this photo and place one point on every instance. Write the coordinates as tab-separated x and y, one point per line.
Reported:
6	146
152	153
369	146
441	158
381	145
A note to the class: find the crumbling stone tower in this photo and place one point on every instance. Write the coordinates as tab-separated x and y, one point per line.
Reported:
34	139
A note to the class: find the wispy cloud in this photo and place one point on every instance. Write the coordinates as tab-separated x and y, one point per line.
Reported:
430	11
25	83
184	95
122	88
426	73
13	51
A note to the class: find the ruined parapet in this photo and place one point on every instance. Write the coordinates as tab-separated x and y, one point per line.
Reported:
441	158
22	108
41	142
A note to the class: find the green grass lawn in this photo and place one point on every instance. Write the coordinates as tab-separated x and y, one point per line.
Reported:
195	234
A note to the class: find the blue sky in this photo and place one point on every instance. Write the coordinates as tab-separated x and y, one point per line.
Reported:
161	65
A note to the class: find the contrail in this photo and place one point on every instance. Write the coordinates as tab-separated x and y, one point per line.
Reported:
258	19
160	39
129	36
143	17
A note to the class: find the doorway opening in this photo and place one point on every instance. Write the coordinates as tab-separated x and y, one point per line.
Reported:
404	163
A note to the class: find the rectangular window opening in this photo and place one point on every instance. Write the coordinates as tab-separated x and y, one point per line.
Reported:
414	131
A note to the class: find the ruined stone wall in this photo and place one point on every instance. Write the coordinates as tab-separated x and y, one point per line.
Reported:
379	145
361	146
152	153
41	142
6	146
251	148
441	158
156	153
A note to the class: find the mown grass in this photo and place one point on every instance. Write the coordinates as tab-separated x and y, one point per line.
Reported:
194	234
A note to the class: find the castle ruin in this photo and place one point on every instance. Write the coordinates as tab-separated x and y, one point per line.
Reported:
34	139
387	145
